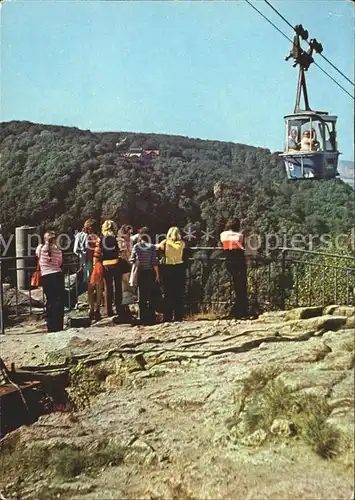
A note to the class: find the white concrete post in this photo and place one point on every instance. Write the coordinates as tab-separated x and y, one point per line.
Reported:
23	249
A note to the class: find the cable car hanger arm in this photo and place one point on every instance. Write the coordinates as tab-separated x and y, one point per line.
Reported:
310	42
289	39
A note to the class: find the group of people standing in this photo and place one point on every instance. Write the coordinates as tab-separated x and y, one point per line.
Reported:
119	259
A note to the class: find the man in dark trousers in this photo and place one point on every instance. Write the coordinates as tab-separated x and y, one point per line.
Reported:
145	256
233	245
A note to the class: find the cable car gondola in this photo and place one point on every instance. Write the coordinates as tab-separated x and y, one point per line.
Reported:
310	136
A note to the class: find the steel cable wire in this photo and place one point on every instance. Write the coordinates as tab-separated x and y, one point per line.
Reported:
325	58
289	39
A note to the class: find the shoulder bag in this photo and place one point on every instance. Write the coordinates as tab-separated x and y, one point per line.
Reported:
36	276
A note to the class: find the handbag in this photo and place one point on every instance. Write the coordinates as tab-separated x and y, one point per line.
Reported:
37	275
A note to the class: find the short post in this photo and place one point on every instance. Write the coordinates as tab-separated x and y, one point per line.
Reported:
22	254
283	278
2	319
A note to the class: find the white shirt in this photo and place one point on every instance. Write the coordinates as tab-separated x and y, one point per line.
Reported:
231	240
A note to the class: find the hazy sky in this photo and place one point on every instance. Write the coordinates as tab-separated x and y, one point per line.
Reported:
202	69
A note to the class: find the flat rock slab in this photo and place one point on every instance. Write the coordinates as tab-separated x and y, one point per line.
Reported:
335	310
311	378
167	402
303	313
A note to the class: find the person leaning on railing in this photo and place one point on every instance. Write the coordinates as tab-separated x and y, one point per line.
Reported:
125	246
81	243
95	287
107	250
144	255
234	252
173	275
52	277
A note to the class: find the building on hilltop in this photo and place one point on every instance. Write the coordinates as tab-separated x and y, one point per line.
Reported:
151	152
134	152
139	152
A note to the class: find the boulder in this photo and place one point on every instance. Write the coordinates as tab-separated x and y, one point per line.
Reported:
23	299
343	421
336	310
115	380
342	394
311	380
255	439
140	452
272	317
350	322
319	323
282	427
338	361
303	313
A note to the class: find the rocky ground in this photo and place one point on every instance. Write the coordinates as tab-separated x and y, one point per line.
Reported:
228	409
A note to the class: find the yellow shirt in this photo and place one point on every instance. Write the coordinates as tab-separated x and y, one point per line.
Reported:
173	251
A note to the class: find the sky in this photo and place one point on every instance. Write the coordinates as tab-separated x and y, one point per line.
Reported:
206	69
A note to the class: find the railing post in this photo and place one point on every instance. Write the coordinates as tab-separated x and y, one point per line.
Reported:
283	278
69	290
22	254
2	319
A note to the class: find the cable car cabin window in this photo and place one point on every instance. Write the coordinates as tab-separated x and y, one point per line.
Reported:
329	136
305	135
293	135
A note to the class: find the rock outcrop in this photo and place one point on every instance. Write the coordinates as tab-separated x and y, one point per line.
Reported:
207	409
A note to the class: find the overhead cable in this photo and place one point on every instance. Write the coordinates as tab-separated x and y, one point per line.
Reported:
334	80
325	58
291	41
268	20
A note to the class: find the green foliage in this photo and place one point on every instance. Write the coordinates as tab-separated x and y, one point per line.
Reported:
253	418
267	398
324	279
52	176
69	462
84	383
259	378
20	462
321	436
56	177
277	401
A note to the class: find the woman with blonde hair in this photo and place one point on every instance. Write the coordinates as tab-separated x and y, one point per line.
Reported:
173	274
50	260
108	252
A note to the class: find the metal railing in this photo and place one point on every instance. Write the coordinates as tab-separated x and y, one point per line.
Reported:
209	285
8	283
316	278
288	278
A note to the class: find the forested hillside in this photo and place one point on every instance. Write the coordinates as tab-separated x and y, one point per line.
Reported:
58	176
